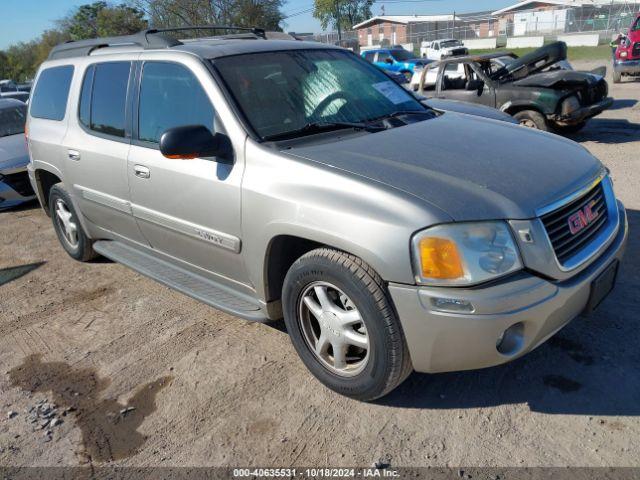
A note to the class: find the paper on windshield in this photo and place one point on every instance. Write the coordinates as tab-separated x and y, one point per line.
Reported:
391	90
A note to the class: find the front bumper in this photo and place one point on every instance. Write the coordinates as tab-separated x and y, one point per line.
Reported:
585	113
627	66
15	188
441	341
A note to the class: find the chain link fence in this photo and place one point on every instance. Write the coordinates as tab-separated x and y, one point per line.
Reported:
603	19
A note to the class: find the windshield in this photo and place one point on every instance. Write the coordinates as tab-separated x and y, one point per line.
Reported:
12	120
281	92
636	26
402	55
450	43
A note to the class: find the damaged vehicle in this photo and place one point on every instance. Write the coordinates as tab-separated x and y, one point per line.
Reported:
529	88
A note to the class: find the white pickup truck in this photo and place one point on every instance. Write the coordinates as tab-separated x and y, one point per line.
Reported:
439	49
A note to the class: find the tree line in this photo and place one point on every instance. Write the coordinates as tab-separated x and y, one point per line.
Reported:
103	19
20	61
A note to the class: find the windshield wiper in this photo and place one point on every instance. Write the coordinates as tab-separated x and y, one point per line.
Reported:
318	127
400	113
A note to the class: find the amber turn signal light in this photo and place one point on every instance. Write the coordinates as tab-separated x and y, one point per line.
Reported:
439	258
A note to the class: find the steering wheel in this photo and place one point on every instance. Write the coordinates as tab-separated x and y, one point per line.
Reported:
322	106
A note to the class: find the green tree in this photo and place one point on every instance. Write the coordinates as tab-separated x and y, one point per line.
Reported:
99	19
243	13
348	12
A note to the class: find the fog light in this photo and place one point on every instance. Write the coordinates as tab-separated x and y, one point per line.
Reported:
623	54
452	305
511	340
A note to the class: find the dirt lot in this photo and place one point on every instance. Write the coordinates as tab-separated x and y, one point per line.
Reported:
141	375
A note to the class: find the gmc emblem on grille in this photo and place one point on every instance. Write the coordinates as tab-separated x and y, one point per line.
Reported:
582	218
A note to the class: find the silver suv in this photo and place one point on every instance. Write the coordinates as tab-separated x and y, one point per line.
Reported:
274	178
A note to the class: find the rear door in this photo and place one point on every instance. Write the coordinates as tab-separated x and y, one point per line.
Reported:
186	209
97	146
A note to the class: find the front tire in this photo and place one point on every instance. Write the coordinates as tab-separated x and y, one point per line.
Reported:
532	119
617	77
343	325
68	227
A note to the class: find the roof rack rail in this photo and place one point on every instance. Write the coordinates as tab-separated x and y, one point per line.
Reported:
82	48
258	32
147	39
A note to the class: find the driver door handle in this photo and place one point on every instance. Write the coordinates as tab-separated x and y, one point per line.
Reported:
141	171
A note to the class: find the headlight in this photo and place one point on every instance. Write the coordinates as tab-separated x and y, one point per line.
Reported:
571	104
464	253
623	54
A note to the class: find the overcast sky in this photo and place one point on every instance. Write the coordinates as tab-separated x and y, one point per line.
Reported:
22	20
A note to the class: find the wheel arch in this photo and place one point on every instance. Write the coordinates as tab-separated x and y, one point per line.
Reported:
45	179
512	108
283	249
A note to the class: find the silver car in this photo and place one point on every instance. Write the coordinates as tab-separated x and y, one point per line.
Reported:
272	178
15	187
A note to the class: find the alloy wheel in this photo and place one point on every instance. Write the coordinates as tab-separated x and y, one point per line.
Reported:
333	329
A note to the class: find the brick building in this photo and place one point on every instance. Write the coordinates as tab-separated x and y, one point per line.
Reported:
396	29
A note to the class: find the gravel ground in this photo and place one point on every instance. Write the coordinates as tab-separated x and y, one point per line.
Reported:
101	365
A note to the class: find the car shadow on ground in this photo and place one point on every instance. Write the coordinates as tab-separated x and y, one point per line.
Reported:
622	103
608	131
13	273
589	368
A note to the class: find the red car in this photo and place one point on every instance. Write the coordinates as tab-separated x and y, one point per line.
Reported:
627	56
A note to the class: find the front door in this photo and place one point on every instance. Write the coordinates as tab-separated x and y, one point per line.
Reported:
459	81
186	209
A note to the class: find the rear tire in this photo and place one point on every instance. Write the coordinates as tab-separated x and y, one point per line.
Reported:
617	77
324	291
532	119
68	227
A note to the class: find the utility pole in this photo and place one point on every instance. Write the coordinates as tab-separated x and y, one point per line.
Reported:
453	33
338	22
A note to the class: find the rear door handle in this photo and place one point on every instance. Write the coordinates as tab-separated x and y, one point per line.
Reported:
141	171
73	155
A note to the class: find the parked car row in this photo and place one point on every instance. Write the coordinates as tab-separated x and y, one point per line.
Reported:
274	178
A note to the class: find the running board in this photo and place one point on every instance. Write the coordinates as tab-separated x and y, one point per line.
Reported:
196	286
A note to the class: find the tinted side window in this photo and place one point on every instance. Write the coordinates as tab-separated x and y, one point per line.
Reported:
382	56
170	96
369	56
109	98
52	91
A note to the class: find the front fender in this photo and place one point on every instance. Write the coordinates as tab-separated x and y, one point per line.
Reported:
283	195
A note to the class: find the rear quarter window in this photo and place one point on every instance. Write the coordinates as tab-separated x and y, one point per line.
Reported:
49	100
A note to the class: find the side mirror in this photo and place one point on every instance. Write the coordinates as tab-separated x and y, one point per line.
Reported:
477	85
194	141
388	60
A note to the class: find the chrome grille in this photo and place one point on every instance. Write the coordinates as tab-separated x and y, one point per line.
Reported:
566	244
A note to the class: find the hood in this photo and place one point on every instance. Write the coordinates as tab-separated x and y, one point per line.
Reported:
469	167
559	79
469	109
13	152
535	61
